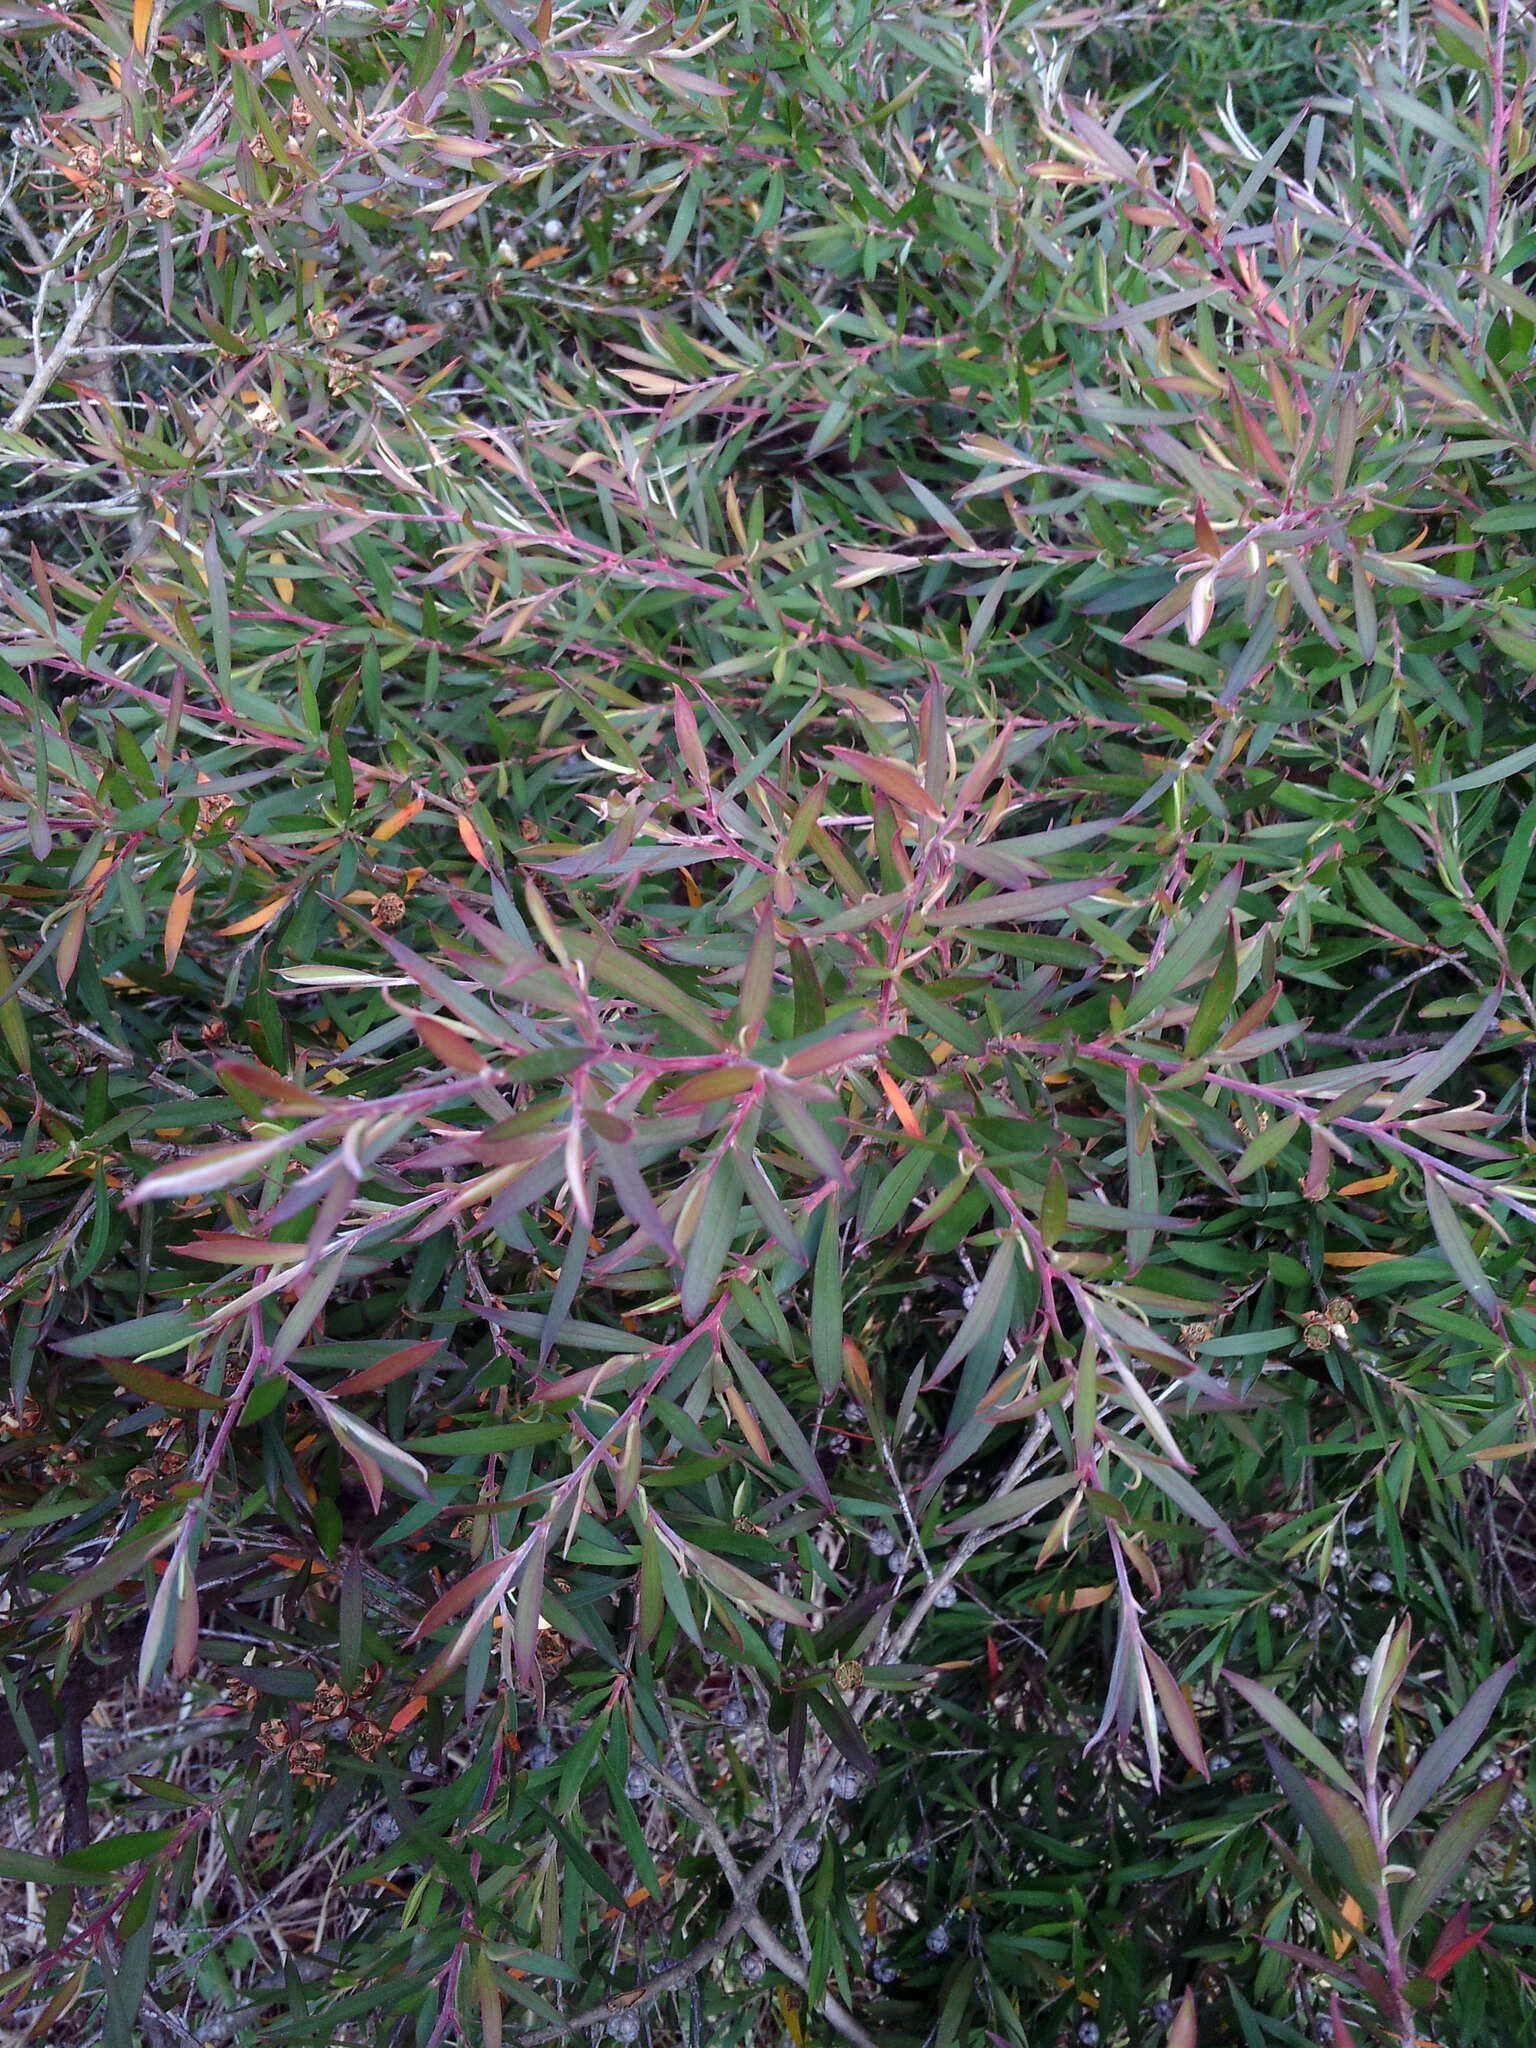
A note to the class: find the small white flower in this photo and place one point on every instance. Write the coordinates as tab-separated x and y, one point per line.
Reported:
978	82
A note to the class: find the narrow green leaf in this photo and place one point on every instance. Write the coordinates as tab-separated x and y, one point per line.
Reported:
827	1305
631	976
1184	1495
1268	1145
1512	868
1189	951
993	1298
713	1231
777	1420
218	605
13	1021
1456	1244
1450	1748
144	1337
1206	1025
1336	1828
1291	1727
1450	1849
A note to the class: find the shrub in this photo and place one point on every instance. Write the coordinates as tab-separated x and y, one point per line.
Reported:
767	980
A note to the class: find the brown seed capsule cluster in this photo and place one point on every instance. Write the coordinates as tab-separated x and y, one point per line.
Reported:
1330	1324
330	1700
160	202
464	791
13	1424
1191	1334
552	1651
849	1677
388	911
367	1738
330	1718
211	808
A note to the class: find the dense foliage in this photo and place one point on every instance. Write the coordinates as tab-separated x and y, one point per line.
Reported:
766	1011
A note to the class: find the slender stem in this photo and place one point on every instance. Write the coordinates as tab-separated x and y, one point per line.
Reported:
1497	127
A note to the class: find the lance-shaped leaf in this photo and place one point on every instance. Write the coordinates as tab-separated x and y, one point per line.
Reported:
1018	906
1183	2033
1456	1244
171	1630
373	1454
844	1731
836	1052
1335	1827
1018	1505
714	1230
1450	1849
220	1168
1292	1728
1177	1712
1183	1494
631	976
793	1110
394	1366
1014	863
1427	1071
750	1593
124	1561
144	1337
621	1166
161	1387
777	1420
993	1302
894	778
494	1580
1457	1938
771	1212
1201	937
1450	1748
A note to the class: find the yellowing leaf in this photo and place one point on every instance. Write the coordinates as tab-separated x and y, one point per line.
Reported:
1352	1913
789	2005
257	920
1370	1184
179	915
1351	1259
142	12
397	821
